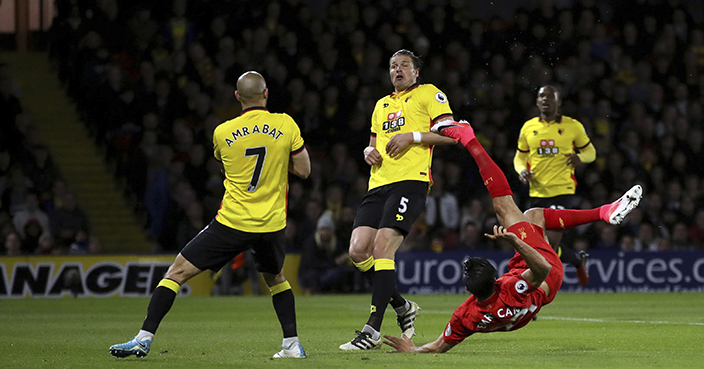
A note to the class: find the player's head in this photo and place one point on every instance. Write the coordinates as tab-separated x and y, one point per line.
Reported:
479	277
548	100
404	68
251	88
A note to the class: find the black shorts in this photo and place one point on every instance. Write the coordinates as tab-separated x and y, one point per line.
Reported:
396	205
217	244
557	202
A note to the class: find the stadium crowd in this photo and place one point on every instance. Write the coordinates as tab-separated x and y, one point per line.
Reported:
153	79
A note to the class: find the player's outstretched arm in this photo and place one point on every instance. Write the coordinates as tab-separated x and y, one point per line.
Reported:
300	164
405	344
538	267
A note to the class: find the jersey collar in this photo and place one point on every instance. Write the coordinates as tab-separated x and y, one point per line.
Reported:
558	119
491	298
254	108
412	87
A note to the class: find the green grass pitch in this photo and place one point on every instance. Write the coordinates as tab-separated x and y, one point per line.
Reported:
651	330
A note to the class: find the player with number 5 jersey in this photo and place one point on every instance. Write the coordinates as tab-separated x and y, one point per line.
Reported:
400	154
257	151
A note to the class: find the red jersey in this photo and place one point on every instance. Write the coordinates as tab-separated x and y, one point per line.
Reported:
513	306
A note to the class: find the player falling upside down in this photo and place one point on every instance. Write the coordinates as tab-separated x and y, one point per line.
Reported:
535	272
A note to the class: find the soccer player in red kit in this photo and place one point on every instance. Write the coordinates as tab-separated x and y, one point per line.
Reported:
535	272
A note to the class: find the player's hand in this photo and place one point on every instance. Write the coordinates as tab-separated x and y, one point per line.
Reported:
403	344
372	155
526	175
398	143
573	159
502	233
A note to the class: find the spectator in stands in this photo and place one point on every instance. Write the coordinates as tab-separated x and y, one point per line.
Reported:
31	223
325	265
13	244
191	225
16	189
442	212
655	38
68	221
46	245
42	171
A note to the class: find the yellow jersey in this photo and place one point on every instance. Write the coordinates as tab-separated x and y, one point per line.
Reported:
546	144
414	110
255	149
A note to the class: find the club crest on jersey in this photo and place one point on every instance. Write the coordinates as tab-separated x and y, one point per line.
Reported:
386	105
440	97
394	122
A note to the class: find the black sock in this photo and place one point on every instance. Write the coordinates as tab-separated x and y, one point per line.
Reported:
369	276
569	256
384	288
160	304
396	299
285	306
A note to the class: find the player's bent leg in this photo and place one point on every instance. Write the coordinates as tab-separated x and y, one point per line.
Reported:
362	243
535	216
579	260
507	212
361	249
181	270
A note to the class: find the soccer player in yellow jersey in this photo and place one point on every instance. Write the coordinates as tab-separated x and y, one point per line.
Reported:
550	146
257	151
400	153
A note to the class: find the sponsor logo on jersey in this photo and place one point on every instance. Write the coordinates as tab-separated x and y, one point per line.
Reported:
394	122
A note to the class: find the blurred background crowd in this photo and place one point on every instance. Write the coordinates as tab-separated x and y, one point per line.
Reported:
153	79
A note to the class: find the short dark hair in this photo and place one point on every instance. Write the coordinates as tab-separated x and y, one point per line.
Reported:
417	63
479	277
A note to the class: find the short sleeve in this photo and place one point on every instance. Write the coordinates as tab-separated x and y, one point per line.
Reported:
437	104
523	141
376	120
296	138
216	148
514	289
455	332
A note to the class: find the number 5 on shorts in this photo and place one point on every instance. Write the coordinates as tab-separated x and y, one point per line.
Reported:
404	205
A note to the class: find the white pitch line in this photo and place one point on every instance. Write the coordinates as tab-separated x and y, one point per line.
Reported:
617	321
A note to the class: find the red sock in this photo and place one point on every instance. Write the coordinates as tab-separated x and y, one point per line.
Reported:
494	178
569	218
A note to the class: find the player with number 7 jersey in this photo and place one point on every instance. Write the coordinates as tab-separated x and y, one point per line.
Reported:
254	149
257	151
